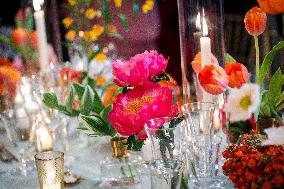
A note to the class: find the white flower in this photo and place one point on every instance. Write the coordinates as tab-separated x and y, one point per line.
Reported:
275	136
241	103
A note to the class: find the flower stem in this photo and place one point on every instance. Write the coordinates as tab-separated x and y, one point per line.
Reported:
256	57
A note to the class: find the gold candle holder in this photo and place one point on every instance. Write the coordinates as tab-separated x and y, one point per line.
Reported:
50	169
119	147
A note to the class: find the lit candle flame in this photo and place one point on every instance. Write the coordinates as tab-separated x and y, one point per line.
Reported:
198	22
205	27
37	4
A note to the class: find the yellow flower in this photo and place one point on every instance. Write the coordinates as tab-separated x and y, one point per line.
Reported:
101	80
148	5
111	28
117	3
98	13
90	13
67	22
72	2
101	57
98	29
93	36
70	35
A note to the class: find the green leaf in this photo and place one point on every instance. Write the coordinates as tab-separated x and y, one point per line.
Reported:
104	113
275	87
116	35
97	103
135	7
29	23
162	76
96	124
106	11
79	89
87	101
229	58
70	98
133	144
124	21
50	100
267	62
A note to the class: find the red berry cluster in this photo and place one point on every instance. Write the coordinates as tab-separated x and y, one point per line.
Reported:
250	165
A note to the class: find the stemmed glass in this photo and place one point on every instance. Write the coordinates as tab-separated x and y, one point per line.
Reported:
164	170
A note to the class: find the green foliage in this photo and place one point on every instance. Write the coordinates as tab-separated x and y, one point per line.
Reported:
124	21
135	7
134	144
162	76
99	126
229	58
237	129
106	11
267	62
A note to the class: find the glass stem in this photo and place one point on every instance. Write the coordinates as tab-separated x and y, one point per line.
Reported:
256	58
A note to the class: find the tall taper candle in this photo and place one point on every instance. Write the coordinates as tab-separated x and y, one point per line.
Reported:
41	35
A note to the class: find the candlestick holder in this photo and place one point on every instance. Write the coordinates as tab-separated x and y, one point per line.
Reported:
50	168
201	42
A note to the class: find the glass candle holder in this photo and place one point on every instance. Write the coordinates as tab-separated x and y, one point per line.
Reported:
201	43
50	168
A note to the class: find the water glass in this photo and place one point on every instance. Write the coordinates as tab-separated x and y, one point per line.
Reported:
50	168
199	119
204	162
165	167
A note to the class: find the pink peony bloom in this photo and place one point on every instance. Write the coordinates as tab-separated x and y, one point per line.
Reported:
133	109
139	70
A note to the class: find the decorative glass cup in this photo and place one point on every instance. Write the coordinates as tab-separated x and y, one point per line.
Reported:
165	168
199	119
50	168
204	163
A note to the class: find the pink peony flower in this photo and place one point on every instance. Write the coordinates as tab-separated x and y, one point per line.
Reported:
133	109
139	70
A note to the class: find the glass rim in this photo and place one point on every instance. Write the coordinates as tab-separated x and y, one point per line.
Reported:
56	154
196	104
168	119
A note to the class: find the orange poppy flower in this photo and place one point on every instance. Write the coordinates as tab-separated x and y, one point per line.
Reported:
213	79
237	73
255	21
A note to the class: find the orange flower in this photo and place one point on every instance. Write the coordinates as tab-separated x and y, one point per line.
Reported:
108	96
255	21
33	39
4	61
196	63
20	36
237	73
266	185
9	76
213	79
278	180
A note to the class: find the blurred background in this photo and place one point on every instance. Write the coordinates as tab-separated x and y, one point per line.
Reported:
156	30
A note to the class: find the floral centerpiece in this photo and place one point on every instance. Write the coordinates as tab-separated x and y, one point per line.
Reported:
9	76
23	39
250	163
88	24
138	98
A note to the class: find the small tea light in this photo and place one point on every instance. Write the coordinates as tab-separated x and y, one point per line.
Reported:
50	168
43	138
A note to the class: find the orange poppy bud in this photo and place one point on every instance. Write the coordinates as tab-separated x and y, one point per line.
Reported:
237	73
197	65
20	36
255	21
213	79
33	39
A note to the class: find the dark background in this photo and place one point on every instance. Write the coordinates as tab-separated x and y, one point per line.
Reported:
169	46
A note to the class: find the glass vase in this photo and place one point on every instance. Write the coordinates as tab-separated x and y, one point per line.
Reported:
201	43
165	168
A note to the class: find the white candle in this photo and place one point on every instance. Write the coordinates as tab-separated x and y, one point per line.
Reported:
205	48
43	138
205	44
41	35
